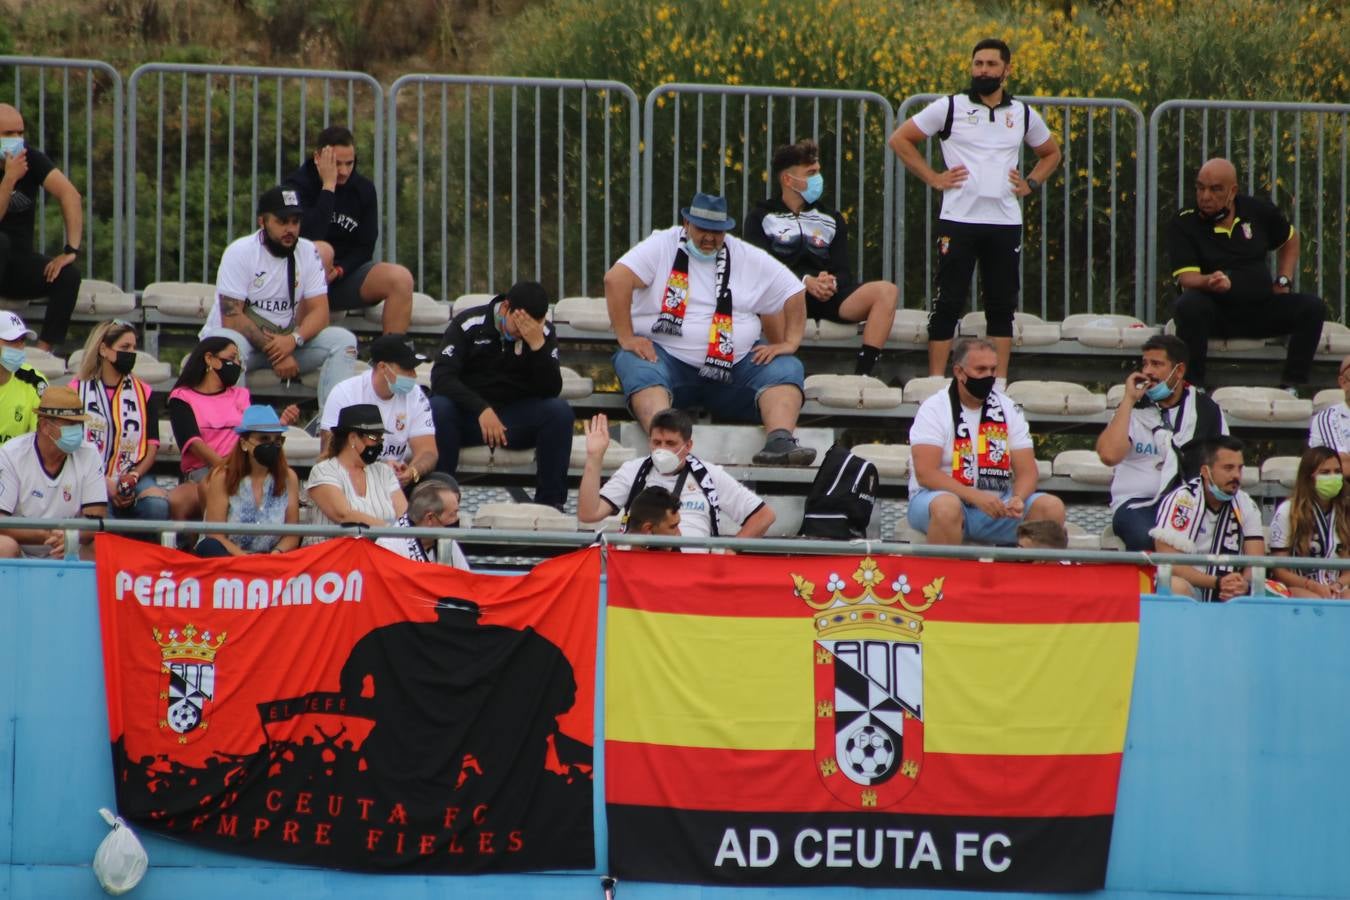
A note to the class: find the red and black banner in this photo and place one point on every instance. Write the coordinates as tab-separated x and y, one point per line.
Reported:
858	721
342	706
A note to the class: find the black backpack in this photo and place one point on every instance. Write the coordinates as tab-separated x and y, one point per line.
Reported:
840	503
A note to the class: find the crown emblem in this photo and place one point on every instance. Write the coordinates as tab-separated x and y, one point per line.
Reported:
186	645
840	614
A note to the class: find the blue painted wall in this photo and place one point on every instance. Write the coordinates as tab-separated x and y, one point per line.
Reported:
1235	777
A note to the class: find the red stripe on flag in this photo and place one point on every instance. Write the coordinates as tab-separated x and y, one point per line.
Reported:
787	781
763	587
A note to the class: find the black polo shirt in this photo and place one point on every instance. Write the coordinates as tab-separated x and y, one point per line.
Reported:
1259	227
21	216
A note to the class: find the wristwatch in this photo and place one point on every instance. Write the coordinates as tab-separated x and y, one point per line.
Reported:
1033	184
69	249
299	339
1284	281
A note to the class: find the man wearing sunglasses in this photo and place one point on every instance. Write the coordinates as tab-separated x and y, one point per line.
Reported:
1160	419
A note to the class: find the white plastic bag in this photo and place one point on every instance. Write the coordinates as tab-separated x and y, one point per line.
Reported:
120	861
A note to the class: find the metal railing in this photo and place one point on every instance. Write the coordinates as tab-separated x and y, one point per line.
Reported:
1273	146
1084	213
726	147
510	178
86	147
237	124
787	546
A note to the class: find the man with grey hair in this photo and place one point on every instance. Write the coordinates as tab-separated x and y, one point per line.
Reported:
973	470
433	504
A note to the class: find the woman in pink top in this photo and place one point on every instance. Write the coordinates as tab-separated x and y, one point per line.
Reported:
204	407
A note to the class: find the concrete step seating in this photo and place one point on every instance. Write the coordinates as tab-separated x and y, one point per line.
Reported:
103	300
1056	398
169	450
469	301
892	460
1109	331
523	517
301	449
616	454
1324	398
825	330
1282	470
148	368
179	299
1335	339
852	392
426	312
733	445
50	367
1083	466
583	314
910	326
1028	330
1226	344
920	389
1262	404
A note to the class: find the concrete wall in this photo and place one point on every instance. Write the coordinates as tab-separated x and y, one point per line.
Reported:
1235	775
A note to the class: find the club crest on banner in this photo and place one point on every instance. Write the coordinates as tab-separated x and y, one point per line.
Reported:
868	676
187	680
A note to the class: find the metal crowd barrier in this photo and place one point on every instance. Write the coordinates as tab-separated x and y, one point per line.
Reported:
728	148
787	546
244	126
80	145
508	177
1273	145
1103	161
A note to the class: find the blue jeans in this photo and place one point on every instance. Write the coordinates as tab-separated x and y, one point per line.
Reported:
1133	525
976	526
542	423
331	351
145	508
738	400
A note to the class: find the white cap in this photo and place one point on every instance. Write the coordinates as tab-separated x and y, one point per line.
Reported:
12	328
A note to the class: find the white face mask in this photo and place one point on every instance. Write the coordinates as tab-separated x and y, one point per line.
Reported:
666	462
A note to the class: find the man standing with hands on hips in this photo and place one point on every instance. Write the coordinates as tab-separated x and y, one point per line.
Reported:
982	131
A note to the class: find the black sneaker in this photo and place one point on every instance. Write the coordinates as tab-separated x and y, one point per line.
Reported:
784	451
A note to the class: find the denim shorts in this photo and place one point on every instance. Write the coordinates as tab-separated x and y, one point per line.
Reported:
977	527
738	400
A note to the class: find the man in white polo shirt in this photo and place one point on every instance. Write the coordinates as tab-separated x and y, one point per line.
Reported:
391	385
1331	426
51	473
272	299
686	305
708	495
982	131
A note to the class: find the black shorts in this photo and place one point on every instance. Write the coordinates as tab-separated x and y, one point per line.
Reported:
345	293
829	309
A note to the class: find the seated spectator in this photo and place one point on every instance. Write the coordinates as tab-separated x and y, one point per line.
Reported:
254	486
123	422
973	470
350	485
1331	426
1160	420
496	381
706	492
391	385
51	473
434	504
655	510
205	406
812	241
1042	534
1314	522
272	300
342	218
1211	514
686	305
21	385
1219	250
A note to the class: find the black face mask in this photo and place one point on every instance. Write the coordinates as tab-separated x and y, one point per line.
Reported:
125	362
984	85
980	388
266	455
229	372
1218	216
371	455
276	248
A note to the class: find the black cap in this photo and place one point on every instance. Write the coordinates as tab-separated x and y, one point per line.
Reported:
280	202
397	349
360	417
529	296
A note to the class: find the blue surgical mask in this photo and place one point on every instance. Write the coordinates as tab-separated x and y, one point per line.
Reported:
403	384
11	146
696	252
1159	392
501	328
72	436
815	186
1219	494
12	357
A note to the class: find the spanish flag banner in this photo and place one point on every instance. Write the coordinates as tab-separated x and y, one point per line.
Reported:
851	720
342	706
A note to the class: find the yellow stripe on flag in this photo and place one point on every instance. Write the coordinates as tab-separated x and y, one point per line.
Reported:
709	681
